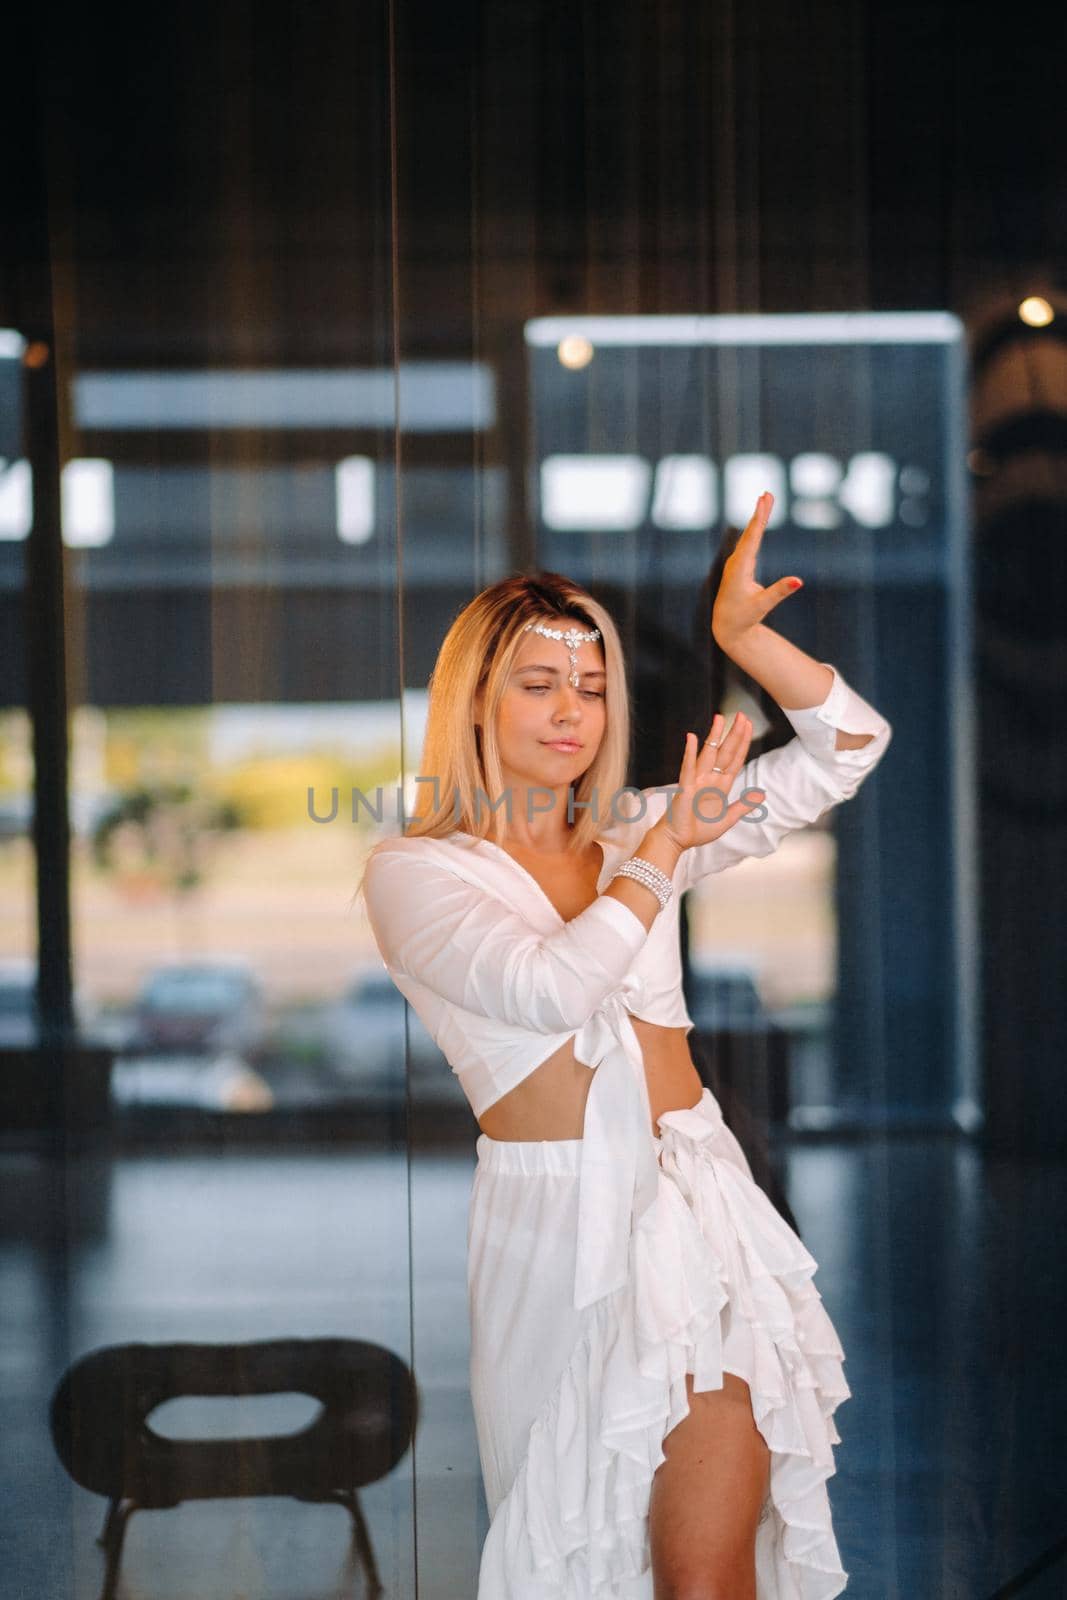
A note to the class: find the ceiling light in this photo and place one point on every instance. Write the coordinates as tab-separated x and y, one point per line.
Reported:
575	352
1036	312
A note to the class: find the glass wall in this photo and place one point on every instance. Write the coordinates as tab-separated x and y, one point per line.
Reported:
340	315
18	914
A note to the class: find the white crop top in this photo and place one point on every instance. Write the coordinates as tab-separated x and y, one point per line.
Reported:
500	981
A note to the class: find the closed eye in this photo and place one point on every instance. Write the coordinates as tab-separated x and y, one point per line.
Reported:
591	694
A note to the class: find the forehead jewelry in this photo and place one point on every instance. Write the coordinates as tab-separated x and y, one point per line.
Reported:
571	637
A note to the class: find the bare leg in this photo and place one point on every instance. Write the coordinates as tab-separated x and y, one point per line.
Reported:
707	1497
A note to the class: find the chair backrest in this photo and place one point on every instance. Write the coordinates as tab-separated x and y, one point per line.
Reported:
98	1419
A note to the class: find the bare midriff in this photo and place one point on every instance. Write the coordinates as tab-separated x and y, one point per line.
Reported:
550	1102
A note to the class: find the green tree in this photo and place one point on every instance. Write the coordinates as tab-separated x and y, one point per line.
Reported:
159	837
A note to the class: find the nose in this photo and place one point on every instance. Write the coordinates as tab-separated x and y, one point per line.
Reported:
569	704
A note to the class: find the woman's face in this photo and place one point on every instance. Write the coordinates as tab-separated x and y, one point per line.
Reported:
548	731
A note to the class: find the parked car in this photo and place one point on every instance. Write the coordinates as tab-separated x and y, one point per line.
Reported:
18	1004
365	1040
207	1008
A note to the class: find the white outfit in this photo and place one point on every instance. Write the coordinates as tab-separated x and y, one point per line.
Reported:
601	1270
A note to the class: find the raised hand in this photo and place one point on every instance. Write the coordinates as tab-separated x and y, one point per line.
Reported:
741	602
698	811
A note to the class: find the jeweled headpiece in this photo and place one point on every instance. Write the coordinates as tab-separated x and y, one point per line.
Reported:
572	638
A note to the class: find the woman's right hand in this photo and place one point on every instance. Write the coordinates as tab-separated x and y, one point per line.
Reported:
694	818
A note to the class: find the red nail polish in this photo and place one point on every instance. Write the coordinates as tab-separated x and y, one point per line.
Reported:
796	583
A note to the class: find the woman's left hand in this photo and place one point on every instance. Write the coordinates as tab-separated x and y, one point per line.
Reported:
741	603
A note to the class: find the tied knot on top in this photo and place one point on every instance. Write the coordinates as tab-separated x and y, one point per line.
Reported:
610	1025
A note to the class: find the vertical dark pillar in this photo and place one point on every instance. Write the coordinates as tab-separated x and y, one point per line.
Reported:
47	701
1019	401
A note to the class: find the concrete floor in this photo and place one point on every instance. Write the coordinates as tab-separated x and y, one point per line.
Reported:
944	1272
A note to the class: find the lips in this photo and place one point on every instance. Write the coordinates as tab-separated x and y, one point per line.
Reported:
566	746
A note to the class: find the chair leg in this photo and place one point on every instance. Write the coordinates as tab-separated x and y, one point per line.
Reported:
111	1537
361	1544
104	1535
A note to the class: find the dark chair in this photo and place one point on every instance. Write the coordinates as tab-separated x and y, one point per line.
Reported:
98	1421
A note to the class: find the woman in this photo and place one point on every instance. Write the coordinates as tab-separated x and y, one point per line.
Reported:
653	1373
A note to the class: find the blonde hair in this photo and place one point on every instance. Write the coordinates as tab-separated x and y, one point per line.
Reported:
478	653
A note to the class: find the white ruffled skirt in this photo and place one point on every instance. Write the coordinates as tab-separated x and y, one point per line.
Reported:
572	1407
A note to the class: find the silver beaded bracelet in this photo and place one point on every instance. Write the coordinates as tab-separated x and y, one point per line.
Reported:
643	871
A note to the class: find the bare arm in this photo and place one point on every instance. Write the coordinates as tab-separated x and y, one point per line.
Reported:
662	851
796	680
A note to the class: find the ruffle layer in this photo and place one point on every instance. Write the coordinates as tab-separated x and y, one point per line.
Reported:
718	1282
